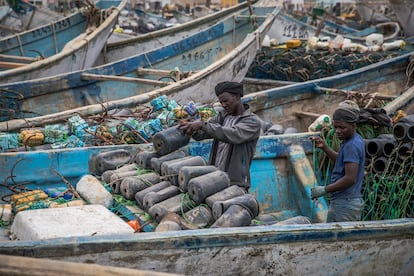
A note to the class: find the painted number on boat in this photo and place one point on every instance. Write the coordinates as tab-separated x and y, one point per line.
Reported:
201	55
240	65
48	29
293	31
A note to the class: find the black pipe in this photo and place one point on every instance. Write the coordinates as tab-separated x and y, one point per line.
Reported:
401	128
383	145
410	133
380	164
405	150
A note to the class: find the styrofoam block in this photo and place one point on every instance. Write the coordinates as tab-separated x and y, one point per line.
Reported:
86	220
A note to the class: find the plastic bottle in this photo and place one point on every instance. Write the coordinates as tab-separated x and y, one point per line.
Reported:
362	49
321	45
398	44
350	47
336	43
324	39
5	213
311	45
266	41
374	48
91	189
321	121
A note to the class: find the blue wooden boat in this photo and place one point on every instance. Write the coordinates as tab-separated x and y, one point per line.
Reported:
22	16
404	13
114	51
177	17
287	27
282	178
371	14
72	43
389	73
158	19
137	21
283	172
221	52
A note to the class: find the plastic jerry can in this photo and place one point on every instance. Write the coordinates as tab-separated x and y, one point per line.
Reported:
398	44
91	189
322	121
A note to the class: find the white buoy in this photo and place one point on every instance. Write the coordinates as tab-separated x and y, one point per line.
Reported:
91	189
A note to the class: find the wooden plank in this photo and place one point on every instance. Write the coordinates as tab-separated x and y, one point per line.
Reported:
307	114
251	17
342	91
13	57
2	26
87	76
5	64
159	72
142	71
16	265
401	102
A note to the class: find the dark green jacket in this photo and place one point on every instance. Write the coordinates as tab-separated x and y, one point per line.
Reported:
242	138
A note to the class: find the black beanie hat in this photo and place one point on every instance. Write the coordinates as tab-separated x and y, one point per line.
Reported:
347	111
230	87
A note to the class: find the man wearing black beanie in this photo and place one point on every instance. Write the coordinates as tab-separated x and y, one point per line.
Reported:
235	132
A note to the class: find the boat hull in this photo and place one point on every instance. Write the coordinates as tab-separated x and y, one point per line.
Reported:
352	248
282	174
286	28
25	17
61	56
156	39
216	54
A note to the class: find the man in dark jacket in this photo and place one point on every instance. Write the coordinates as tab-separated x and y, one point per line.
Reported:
235	131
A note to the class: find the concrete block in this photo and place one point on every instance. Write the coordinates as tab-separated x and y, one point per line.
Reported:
86	220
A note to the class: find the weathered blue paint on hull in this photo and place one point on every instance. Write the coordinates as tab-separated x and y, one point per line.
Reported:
29	15
353	247
45	41
146	42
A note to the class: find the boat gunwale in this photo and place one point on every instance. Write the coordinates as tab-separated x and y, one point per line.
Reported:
350	36
215	237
